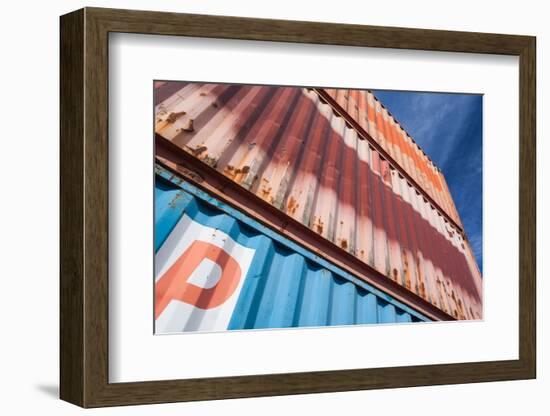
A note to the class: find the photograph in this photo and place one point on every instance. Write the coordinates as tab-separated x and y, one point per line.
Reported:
289	206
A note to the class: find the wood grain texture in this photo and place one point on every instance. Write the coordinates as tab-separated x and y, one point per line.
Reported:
96	218
527	209
71	208
84	207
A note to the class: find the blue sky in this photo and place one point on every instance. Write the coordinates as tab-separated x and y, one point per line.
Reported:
449	129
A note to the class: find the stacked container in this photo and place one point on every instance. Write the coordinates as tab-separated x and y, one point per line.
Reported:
339	163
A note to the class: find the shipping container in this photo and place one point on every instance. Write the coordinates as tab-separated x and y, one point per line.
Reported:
218	269
376	121
337	162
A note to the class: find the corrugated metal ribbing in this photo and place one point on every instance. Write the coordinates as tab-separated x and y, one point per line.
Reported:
371	115
291	148
285	286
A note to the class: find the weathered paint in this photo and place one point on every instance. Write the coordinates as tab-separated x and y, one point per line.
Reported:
379	124
376	196
218	269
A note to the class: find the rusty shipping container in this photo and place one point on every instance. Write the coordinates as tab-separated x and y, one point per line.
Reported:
230	272
340	172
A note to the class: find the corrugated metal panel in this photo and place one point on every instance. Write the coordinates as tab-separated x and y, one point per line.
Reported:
378	122
285	285
292	149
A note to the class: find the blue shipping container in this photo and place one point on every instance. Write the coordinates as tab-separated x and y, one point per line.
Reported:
218	269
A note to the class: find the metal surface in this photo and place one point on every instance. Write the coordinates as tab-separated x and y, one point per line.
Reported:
377	122
278	284
293	148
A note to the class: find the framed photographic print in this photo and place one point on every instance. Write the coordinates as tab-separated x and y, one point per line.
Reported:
255	207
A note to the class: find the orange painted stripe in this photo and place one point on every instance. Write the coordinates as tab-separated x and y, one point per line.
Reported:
381	127
395	140
363	112
371	113
408	150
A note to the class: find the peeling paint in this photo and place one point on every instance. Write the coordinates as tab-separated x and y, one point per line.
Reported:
199	150
188	125
172	117
293	149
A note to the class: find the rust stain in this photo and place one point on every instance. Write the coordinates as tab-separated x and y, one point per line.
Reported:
188	126
199	150
183	171
292	205
421	278
441	296
209	160
240	174
453	296
173	201
318	225
172	117
232	172
422	290
460	309
406	271
281	151
229	171
395	274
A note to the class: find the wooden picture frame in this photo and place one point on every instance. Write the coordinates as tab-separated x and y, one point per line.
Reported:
84	207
